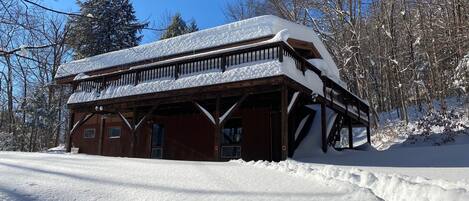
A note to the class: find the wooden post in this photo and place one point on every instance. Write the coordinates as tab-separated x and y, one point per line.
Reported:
133	133
70	127
368	130
323	115
280	53
350	133
223	63
303	67
218	128
176	71
323	126
101	135
358	111
368	134
284	122
137	77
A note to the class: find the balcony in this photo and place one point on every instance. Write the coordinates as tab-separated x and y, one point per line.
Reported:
219	66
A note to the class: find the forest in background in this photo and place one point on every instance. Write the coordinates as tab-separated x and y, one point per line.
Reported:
394	53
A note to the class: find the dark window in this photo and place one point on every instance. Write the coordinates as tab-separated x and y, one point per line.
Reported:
157	135
114	132
232	132
231	139
157	141
89	133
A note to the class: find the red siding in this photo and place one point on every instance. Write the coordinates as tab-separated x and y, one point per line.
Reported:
256	139
116	146
187	137
86	145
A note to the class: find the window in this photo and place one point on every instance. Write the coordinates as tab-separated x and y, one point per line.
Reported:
232	132
157	141
89	133
114	132
231	139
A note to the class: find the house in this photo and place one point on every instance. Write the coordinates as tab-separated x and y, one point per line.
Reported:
258	89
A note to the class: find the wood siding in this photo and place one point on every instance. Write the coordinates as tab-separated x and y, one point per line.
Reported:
187	136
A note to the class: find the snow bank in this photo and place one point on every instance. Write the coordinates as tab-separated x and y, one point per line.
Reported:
230	33
390	187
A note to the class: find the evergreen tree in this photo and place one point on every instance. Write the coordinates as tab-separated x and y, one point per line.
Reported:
104	26
179	27
192	27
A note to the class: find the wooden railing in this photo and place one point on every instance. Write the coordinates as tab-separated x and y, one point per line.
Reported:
183	67
213	62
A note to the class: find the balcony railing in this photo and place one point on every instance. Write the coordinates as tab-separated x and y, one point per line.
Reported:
185	67
220	61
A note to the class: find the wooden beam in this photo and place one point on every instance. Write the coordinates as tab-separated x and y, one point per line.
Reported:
304	130
293	101
284	122
145	117
368	130
323	127
227	115
368	135
81	122
127	123
133	133
205	112
323	115
340	109
259	85
70	126
101	135
218	128
350	133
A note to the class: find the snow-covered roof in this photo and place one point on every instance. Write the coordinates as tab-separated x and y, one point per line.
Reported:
226	34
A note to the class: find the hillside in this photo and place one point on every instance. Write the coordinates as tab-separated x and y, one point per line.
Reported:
425	128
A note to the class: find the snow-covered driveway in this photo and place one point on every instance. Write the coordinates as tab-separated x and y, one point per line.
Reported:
41	176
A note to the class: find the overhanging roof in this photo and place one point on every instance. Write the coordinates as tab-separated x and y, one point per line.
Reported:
248	29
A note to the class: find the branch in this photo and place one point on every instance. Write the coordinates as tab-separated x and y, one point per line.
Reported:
77	15
6	52
57	11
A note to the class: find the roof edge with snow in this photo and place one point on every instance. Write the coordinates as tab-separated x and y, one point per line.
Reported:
262	27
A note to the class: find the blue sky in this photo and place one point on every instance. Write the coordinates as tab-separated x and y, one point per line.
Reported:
207	13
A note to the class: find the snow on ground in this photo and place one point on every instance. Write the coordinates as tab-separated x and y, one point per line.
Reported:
402	174
450	162
42	176
425	127
387	186
59	149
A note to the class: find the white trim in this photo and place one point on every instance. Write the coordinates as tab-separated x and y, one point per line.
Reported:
301	126
222	118
292	102
212	119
